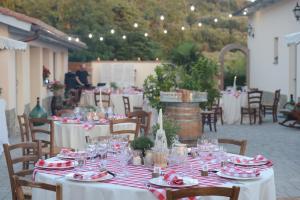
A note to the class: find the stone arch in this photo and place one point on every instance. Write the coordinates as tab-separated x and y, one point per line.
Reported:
228	48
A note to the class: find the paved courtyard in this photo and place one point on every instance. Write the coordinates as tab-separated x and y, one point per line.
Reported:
276	142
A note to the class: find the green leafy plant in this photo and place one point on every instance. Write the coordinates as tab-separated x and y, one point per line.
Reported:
113	85
142	143
171	129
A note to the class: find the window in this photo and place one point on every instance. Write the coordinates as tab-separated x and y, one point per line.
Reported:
276	39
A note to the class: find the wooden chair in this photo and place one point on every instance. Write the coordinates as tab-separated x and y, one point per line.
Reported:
232	193
134	131
218	109
144	120
105	98
209	118
126	105
47	130
241	143
254	107
272	107
20	183
34	147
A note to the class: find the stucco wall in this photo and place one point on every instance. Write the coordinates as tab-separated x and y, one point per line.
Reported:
143	69
276	20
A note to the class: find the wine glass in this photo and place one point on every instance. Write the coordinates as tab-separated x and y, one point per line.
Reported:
124	157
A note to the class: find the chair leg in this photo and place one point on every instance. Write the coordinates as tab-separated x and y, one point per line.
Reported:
209	122
203	123
242	116
221	111
264	111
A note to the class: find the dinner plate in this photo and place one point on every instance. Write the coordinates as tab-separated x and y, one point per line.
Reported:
187	182
237	178
74	163
247	164
104	178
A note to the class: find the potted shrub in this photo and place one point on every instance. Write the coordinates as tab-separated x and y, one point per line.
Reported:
142	144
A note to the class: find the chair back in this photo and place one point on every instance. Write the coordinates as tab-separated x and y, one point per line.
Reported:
276	98
144	119
232	193
254	99
24	128
116	122
126	105
241	143
19	183
105	96
11	161
44	133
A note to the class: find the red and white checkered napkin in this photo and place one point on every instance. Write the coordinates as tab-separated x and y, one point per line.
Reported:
68	120
172	178
240	172
53	164
257	159
89	175
88	126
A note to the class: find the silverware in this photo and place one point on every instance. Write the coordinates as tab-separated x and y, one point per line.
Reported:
111	173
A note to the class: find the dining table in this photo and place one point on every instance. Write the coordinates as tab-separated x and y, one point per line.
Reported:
73	134
116	99
231	103
137	185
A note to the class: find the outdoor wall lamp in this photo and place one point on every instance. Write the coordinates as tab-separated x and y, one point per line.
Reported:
296	11
250	31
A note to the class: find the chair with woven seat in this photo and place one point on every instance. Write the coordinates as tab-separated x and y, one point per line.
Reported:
105	96
272	107
11	161
132	132
20	184
25	135
232	193
144	120
46	130
241	143
210	118
254	106
126	105
218	109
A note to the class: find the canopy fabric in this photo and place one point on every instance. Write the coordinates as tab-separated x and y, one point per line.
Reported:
10	44
293	38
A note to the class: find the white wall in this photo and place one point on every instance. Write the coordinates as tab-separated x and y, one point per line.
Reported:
143	69
276	20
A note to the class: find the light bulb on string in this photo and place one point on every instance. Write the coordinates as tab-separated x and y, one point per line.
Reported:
199	24
90	35
216	20
69	38
77	39
146	34
182	28
230	15
162	18
101	39
135	25
112	31
124	37
165	31
192	8
245	12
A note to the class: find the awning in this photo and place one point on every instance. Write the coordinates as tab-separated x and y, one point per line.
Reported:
10	44
293	38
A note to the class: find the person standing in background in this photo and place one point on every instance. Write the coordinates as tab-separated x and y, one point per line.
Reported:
82	77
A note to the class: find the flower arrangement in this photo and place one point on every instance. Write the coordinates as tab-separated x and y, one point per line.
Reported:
46	73
55	86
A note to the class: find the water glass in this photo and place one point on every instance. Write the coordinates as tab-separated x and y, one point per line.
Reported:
80	158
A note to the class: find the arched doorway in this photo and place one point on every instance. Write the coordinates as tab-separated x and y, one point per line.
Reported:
228	48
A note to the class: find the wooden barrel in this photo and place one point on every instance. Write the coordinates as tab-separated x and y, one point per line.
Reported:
187	116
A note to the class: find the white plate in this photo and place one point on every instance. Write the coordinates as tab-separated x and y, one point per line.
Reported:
237	178
74	163
71	177
248	164
187	182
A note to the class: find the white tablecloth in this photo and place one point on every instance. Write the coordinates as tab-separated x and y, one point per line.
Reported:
73	135
3	126
136	100
262	189
231	105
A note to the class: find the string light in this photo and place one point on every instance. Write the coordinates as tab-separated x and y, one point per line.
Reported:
192	8
165	31
199	24
90	35
146	34
69	38
162	18
182	28
216	20
112	31
245	12
101	38
124	37
77	39
230	15
135	25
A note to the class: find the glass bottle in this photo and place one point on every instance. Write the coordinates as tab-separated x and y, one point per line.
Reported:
38	112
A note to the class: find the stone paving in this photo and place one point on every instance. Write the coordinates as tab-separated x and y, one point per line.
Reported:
281	144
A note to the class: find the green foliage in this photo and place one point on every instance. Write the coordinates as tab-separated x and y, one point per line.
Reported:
185	54
113	85
163	80
171	129
142	143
